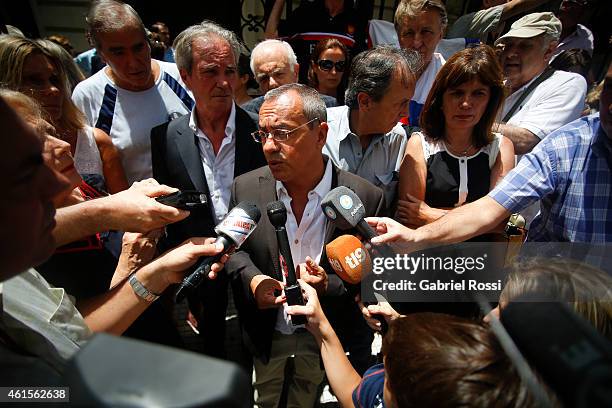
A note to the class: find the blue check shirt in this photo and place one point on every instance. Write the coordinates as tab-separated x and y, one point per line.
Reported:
571	172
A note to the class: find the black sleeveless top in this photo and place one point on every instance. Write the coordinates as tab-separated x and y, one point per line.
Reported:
455	180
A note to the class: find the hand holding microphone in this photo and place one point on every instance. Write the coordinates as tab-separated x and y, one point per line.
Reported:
352	263
232	231
345	210
277	213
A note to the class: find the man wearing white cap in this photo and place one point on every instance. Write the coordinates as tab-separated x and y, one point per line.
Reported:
541	99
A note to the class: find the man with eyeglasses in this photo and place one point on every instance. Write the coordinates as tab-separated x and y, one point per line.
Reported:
274	63
293	131
204	151
365	136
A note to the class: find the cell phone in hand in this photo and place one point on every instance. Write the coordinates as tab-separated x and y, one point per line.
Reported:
184	200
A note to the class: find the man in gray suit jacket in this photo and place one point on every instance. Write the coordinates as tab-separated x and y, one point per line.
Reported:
205	151
293	133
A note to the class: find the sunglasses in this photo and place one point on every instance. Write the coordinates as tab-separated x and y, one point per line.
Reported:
327	65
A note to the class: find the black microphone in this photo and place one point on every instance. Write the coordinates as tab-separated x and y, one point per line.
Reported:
573	358
345	209
232	231
277	213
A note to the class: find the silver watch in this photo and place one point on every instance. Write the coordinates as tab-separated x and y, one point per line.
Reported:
140	290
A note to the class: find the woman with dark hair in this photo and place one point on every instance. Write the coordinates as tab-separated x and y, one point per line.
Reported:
457	158
328	62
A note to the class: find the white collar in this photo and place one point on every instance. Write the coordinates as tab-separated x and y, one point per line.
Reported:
230	126
321	189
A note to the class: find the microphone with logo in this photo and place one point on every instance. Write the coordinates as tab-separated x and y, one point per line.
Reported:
345	209
277	213
232	231
352	263
349	258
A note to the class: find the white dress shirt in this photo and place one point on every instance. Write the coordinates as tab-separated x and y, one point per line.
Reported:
219	168
307	238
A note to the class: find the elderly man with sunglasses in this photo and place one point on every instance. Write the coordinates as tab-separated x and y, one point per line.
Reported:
365	136
292	132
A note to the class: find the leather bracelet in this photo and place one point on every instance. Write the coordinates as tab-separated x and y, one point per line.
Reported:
140	289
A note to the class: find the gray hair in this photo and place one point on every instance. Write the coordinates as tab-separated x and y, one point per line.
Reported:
547	38
312	104
372	70
412	8
110	15
289	53
206	29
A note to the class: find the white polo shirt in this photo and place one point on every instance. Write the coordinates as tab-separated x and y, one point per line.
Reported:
553	103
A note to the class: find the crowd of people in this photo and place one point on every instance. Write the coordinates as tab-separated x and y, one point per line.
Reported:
439	148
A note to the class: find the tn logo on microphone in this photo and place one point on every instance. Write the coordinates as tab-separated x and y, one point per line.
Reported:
355	258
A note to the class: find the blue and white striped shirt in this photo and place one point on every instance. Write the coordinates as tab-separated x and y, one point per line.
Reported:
571	172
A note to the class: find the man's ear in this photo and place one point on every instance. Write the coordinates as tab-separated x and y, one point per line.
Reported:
550	50
185	77
322	135
364	101
296	71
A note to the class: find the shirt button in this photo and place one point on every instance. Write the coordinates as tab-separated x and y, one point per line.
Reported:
462	160
296	242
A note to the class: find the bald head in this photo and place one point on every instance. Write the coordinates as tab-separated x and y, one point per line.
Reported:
274	64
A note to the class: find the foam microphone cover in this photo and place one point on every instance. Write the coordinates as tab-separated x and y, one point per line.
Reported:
349	258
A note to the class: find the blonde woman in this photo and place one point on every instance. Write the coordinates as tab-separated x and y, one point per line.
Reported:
27	67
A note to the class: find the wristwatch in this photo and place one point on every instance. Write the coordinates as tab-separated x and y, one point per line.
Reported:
140	290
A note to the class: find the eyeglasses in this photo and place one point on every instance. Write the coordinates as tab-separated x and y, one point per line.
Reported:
278	135
327	65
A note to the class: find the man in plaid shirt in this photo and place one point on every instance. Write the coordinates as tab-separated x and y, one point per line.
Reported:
570	171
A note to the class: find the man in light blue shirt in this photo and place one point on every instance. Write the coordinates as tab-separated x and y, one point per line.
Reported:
365	136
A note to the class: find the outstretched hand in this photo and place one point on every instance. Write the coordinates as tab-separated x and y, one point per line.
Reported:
383	309
313	274
136	209
315	317
390	230
266	292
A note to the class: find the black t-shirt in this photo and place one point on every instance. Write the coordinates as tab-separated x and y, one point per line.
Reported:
314	18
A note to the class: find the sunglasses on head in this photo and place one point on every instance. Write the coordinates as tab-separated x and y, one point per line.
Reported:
327	65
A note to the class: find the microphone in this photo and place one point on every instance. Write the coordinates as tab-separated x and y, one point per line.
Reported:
349	258
573	358
277	213
345	209
351	261
232	231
